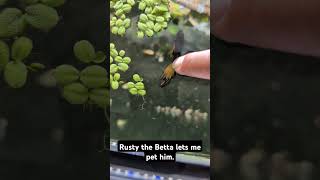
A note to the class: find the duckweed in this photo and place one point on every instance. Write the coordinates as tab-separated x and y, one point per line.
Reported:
41	16
153	18
75	93
11	22
13	65
120	63
15	74
53	3
4	54
84	51
119	23
94	76
65	74
100	97
88	85
21	48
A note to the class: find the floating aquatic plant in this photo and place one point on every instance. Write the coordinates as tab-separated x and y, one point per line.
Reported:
88	85
4	54
154	16
13	65
11	22
119	23
15	74
52	3
40	14
120	63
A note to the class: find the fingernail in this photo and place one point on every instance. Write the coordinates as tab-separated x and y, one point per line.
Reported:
177	63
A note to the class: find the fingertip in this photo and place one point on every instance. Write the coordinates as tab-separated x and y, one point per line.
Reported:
196	64
178	62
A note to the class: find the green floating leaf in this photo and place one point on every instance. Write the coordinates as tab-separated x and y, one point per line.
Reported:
130	85
84	51
15	74
29	1
136	78
21	48
123	67
53	3
100	57
139	85
116	76
100	97
113	68
65	74
37	66
142	92
41	16
11	22
133	91
94	76
4	54
75	93
114	85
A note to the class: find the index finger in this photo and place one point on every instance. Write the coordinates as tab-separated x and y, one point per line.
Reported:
196	64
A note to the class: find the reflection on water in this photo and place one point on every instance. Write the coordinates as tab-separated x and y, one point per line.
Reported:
180	111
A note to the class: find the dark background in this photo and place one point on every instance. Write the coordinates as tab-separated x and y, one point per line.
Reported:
43	137
266	100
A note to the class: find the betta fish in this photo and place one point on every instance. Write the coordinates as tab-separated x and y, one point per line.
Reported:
169	71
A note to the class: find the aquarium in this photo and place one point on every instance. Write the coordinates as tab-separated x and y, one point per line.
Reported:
178	111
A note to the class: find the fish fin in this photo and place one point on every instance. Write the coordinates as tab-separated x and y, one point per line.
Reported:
164	80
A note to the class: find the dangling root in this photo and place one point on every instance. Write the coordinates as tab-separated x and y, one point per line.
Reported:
144	102
104	144
106	115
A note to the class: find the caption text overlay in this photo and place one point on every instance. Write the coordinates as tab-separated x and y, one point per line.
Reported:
160	150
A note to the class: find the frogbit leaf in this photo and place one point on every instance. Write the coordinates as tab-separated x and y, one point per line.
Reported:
21	48
75	93
15	74
11	22
53	3
100	57
41	16
4	54
37	66
65	74
84	51
94	76
100	97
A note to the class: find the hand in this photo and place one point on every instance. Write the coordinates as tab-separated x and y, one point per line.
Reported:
196	64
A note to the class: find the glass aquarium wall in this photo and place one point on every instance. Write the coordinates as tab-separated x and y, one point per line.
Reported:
178	111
